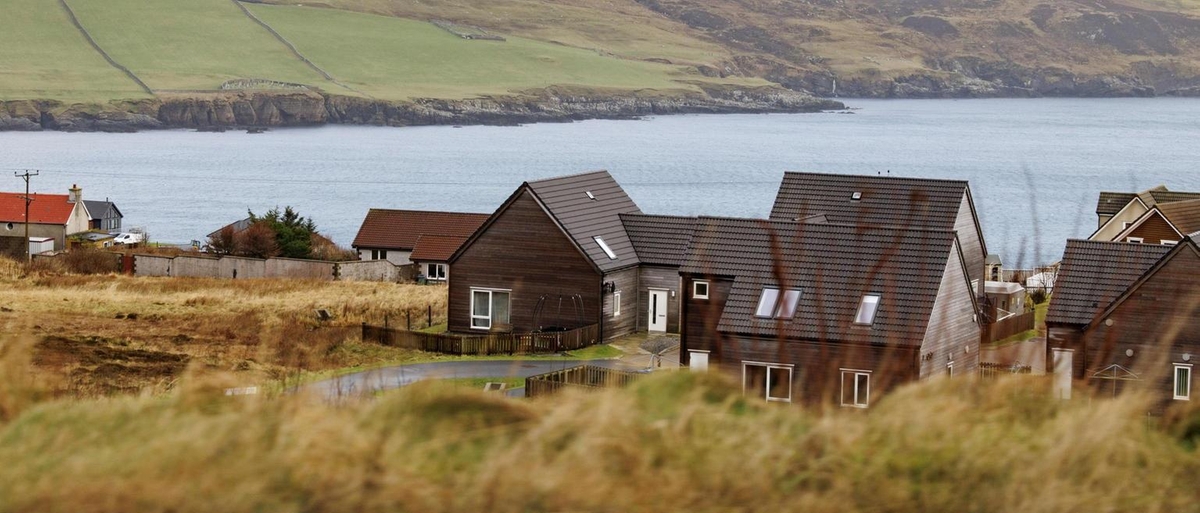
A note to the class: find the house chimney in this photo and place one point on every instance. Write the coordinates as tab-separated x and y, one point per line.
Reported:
76	194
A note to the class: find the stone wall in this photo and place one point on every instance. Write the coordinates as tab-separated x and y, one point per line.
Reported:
242	268
195	266
152	265
205	266
295	268
372	270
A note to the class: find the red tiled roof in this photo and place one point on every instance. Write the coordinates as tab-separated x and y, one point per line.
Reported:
436	248
45	209
400	229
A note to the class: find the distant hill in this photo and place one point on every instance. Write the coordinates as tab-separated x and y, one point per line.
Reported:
875	48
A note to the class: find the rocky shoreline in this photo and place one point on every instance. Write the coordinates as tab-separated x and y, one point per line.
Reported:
214	111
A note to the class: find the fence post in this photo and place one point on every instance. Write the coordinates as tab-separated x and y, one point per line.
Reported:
408	316
429	317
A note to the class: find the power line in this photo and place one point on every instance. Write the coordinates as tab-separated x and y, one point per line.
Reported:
28	199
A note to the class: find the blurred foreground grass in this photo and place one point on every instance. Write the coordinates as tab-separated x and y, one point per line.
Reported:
674	442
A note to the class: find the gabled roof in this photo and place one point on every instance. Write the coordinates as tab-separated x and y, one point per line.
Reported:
885	200
97	209
1183	215
1162	196
436	248
584	217
659	240
237	226
1094	273
1112	202
400	229
833	265
45	208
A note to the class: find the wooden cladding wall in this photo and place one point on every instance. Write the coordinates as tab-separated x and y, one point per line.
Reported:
699	317
953	333
524	251
625	281
1155	230
972	243
1158	324
662	278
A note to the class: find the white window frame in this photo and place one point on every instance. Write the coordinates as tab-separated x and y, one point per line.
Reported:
855	373
862	304
617	304
950	368
1175	382
489	303
378	254
1135	240
696	292
1166	242
779	304
435	276
767	384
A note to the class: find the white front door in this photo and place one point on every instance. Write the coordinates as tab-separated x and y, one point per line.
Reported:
658	310
1063	360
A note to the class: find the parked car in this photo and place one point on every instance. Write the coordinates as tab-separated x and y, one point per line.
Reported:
130	238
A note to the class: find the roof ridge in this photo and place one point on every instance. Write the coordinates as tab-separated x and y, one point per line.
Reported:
573	175
886	177
407	210
889	227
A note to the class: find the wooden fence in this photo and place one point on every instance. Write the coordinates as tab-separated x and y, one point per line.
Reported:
490	344
583	377
1005	328
995	370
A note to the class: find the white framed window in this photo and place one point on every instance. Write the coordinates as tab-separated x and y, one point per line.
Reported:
378	254
700	290
771	381
950	368
1183	382
1135	240
698	360
867	309
617	304
773	304
1166	242
607	250
856	388
489	307
435	272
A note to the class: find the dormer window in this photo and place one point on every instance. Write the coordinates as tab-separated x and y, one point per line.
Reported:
1135	240
867	310
590	195
857	196
607	250
773	304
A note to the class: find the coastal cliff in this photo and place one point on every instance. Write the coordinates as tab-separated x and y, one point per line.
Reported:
310	108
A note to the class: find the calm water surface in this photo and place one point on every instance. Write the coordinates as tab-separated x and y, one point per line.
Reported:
1035	166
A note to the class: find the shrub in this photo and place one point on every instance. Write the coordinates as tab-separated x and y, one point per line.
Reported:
1038	296
90	261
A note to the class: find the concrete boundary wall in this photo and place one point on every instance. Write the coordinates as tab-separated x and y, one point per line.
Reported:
231	267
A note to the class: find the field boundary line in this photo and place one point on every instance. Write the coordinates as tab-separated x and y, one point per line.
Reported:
96	46
295	51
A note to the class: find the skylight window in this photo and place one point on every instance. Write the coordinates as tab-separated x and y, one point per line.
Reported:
772	304
867	309
856	196
590	195
607	250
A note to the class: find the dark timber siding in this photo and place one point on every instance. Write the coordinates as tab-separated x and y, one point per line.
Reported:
953	333
1155	230
1146	322
700	318
626	281
816	375
972	243
525	251
665	278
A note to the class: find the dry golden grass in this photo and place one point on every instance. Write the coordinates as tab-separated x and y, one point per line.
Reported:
679	442
109	333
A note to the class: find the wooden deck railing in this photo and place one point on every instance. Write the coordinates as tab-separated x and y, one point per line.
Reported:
583	377
490	344
995	370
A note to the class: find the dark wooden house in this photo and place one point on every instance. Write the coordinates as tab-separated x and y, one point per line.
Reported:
827	311
555	255
1125	315
105	216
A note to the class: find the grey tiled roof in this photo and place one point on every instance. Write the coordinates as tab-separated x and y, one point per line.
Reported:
1112	202
584	218
834	265
97	209
886	200
659	240
1094	274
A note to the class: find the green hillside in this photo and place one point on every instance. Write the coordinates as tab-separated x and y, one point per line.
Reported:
394	58
43	56
190	44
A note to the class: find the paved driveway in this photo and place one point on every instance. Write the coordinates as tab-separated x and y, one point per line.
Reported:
367	382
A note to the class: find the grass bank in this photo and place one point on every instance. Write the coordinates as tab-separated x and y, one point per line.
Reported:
680	442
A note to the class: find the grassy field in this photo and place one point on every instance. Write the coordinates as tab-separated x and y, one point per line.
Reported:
43	56
394	58
673	442
190	44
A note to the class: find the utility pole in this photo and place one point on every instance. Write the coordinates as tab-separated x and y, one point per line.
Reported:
28	199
